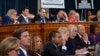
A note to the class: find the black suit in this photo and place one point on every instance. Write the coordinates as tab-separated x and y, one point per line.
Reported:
22	20
80	42
51	50
72	46
94	19
39	19
55	18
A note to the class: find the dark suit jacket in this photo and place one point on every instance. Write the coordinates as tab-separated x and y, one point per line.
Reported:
72	46
29	53
22	20
80	42
54	18
39	19
21	53
94	19
51	50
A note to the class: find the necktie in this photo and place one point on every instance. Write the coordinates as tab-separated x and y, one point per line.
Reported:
43	20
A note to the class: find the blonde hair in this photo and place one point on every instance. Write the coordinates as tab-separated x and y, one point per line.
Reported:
72	13
11	12
71	27
62	30
7	45
33	47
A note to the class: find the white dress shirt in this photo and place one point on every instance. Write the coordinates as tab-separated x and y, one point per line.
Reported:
98	19
26	18
87	42
24	51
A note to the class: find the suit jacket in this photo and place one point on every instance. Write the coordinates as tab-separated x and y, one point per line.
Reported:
21	53
94	19
80	42
72	46
6	20
51	50
22	20
39	19
54	18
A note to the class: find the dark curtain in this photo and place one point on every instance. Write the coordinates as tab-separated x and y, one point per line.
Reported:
5	5
70	5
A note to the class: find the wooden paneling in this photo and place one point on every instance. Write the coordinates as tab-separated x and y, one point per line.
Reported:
42	29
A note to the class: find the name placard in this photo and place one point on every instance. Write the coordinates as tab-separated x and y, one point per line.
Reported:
52	4
84	4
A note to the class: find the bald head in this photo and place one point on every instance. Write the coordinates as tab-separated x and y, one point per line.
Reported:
81	29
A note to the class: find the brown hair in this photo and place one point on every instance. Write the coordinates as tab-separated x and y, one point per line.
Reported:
17	33
33	47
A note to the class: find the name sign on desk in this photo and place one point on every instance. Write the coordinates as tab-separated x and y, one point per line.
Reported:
52	4
84	4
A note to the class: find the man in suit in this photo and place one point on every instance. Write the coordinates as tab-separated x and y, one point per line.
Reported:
23	35
41	17
60	17
97	18
82	37
24	16
51	48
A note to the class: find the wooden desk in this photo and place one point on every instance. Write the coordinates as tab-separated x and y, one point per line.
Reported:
38	28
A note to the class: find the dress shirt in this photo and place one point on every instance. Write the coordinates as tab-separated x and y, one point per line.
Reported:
43	20
26	18
98	19
63	47
24	51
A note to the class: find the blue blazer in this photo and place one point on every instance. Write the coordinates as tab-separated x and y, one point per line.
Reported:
6	20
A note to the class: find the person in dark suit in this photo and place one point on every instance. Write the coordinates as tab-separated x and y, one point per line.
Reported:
24	37
60	17
52	48
41	17
82	37
24	16
97	18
